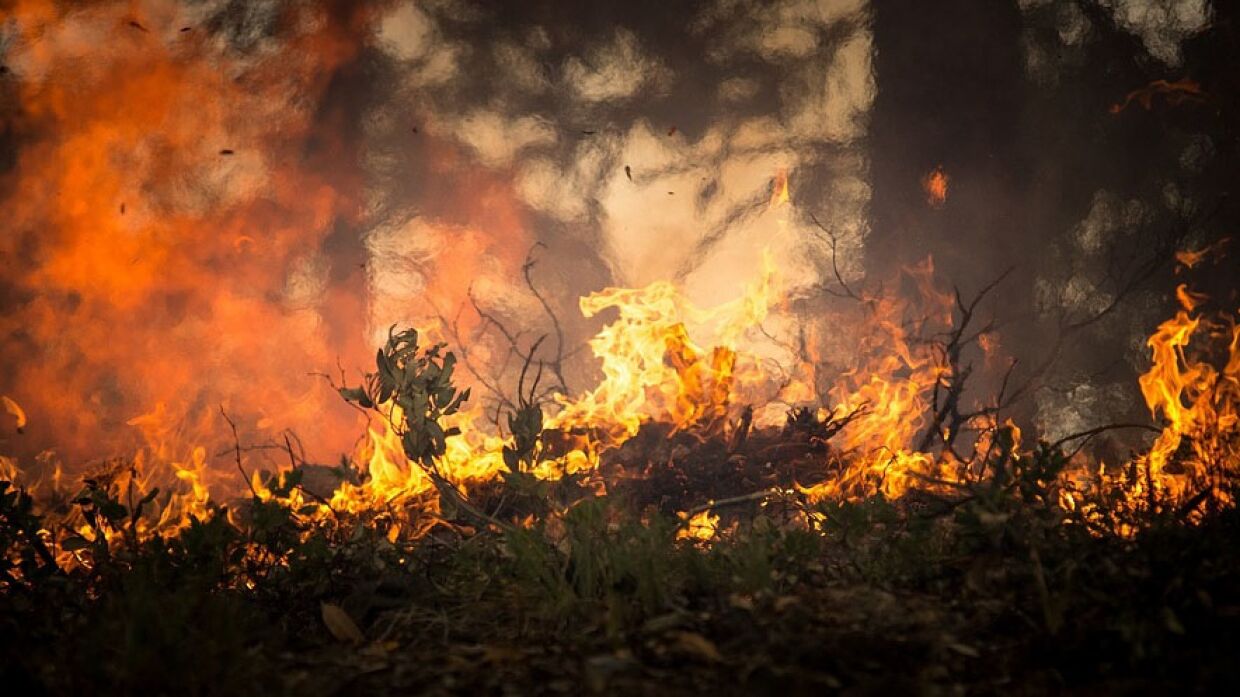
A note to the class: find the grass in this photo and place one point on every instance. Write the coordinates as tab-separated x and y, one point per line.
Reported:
999	593
993	587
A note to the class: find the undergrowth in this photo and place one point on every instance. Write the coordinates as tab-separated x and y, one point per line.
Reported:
997	588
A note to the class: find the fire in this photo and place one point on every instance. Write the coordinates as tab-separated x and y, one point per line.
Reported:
935	185
1187	259
392	481
143	255
15	410
1188	299
165	229
889	385
779	190
656	367
1175	93
702	526
1200	404
652	369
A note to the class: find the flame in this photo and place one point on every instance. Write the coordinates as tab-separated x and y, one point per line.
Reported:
1188	299
655	368
15	410
1190	258
167	207
779	189
1200	404
702	527
889	385
145	256
1176	93
935	185
652	369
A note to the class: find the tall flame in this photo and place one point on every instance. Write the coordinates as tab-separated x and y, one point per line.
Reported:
1199	402
652	369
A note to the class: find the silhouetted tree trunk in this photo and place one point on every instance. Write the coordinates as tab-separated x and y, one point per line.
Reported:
950	93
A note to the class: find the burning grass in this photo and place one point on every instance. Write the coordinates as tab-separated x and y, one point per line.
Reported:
661	532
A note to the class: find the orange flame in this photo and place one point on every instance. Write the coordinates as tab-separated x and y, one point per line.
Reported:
779	189
1199	402
15	410
166	210
651	369
154	267
935	185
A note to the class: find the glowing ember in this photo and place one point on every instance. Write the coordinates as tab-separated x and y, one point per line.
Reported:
1174	92
15	410
935	185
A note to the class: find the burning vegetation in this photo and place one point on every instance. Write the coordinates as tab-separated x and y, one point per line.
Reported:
674	456
837	484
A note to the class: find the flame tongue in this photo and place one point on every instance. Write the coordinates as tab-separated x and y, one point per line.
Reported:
653	370
15	410
1199	403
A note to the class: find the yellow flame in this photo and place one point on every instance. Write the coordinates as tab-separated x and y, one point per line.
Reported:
652	369
703	526
1197	401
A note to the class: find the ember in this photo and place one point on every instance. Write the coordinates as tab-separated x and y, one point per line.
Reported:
935	185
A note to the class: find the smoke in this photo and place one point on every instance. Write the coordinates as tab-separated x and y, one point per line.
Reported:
634	142
208	201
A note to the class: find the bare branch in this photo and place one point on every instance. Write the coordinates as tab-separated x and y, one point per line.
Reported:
557	366
237	452
833	242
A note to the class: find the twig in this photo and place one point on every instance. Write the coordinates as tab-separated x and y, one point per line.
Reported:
463	348
832	242
237	452
1146	269
1088	434
446	488
711	505
557	366
956	377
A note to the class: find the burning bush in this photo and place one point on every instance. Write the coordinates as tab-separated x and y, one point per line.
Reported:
659	529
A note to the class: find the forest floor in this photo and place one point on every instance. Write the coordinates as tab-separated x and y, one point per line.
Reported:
994	590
